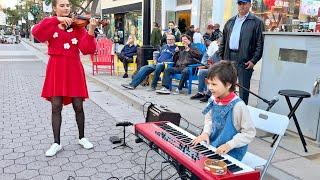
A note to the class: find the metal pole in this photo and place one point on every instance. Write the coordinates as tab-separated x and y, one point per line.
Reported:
146	22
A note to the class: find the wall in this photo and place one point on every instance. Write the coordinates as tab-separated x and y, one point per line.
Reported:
115	3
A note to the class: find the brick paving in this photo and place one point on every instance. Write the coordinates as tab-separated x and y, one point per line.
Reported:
26	133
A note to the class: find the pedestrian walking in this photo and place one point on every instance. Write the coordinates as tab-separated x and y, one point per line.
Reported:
242	43
65	81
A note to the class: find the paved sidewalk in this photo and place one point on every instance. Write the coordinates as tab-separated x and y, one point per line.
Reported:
290	162
26	133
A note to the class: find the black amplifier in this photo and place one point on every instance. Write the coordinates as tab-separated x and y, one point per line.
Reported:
159	113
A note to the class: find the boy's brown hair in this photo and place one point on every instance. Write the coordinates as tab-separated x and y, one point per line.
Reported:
225	71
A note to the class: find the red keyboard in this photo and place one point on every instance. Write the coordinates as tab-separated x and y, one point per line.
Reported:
174	141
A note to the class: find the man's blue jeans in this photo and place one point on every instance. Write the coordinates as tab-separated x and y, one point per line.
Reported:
145	71
202	75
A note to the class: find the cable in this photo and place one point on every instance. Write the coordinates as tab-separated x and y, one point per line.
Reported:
129	177
145	163
113	178
71	178
160	172
183	176
143	108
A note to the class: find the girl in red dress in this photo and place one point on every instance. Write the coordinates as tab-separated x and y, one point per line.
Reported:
65	80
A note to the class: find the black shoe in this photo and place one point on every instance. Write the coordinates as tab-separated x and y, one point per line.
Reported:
128	86
197	96
125	75
205	98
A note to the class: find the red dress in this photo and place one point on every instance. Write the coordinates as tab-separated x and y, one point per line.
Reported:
65	74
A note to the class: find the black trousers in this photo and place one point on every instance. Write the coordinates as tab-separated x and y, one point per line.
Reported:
125	60
244	76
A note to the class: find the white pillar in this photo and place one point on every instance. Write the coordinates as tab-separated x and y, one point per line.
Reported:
167	5
195	13
217	12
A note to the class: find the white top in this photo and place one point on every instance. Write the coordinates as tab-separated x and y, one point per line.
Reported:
235	34
241	121
197	37
213	47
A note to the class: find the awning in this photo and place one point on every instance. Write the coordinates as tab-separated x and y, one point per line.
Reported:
123	9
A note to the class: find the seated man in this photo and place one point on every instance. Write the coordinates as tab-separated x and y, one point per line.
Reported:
127	53
184	57
166	54
209	58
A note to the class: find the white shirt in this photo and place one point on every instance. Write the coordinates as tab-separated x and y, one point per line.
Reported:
235	34
213	47
197	37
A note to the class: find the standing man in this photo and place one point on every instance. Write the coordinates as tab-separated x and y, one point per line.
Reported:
243	44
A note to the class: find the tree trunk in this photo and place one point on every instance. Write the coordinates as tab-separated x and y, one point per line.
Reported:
94	6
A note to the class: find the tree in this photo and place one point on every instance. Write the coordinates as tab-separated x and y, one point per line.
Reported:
78	6
13	16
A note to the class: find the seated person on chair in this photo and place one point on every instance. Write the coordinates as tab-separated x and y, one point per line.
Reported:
227	125
209	58
166	54
182	58
127	53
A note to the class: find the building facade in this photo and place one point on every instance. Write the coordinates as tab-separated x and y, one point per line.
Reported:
278	15
125	18
197	12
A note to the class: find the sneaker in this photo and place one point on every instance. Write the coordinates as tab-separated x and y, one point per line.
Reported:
197	96
128	86
85	143
151	89
55	147
125	75
163	90
176	91
205	98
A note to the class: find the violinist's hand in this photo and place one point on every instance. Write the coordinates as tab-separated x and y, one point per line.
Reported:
202	137
66	21
223	149
92	25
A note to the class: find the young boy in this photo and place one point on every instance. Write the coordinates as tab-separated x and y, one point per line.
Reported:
228	125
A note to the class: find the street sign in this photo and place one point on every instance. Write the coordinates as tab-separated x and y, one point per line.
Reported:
47	6
2	18
30	16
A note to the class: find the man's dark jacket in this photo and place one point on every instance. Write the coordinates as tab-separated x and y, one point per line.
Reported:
251	39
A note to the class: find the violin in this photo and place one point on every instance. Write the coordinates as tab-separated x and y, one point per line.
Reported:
80	21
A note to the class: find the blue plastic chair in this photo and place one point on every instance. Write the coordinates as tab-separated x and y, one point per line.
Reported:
193	72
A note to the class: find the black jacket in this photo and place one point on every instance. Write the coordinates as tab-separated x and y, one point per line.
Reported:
184	58
251	39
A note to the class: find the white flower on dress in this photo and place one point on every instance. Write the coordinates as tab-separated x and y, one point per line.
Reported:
70	30
74	41
66	46
55	35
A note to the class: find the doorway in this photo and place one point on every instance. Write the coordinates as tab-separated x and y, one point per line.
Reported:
184	20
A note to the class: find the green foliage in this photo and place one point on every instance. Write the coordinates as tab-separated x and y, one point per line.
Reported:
12	16
16	14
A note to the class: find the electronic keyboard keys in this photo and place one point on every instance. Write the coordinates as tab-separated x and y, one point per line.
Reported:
234	168
185	143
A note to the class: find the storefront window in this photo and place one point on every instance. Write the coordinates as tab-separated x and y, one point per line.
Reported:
133	25
157	13
206	14
288	15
